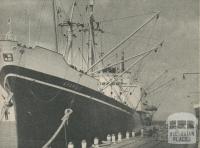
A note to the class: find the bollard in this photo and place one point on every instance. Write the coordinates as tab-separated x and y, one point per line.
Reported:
133	134
83	144
119	137
142	132
113	138
70	145
96	142
109	138
127	135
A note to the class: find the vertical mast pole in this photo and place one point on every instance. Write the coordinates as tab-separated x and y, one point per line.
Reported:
55	25
122	63
91	33
29	25
29	31
70	35
124	40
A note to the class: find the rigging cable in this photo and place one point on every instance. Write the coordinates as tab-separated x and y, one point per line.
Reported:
161	86
82	36
156	92
141	64
124	40
157	79
83	58
127	17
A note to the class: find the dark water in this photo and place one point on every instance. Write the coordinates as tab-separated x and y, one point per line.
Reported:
8	135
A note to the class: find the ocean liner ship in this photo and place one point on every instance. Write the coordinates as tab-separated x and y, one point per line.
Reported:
43	83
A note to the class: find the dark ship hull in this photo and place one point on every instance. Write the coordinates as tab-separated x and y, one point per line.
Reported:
40	100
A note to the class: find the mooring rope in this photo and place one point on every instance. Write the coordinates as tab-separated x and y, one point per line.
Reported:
63	123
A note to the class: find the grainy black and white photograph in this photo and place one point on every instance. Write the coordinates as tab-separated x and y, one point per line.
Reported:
99	74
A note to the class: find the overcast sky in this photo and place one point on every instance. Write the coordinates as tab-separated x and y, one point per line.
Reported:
177	25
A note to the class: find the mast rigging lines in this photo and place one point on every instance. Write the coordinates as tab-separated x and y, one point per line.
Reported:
92	30
123	41
123	18
125	60
138	60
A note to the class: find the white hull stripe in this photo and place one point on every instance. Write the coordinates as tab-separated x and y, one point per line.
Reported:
65	89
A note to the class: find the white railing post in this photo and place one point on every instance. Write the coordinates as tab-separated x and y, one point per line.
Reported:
108	138
83	144
133	134
113	138
142	132
119	137
127	135
70	145
96	142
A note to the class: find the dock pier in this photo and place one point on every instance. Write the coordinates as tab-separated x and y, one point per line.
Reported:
137	139
8	140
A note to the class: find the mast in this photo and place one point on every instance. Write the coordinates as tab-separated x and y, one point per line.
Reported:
70	34
128	59
91	58
29	31
122	63
123	41
55	25
133	64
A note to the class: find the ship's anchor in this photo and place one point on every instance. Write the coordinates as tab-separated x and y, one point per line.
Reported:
64	119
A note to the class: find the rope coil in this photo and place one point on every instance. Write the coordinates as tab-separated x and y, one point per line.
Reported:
64	119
